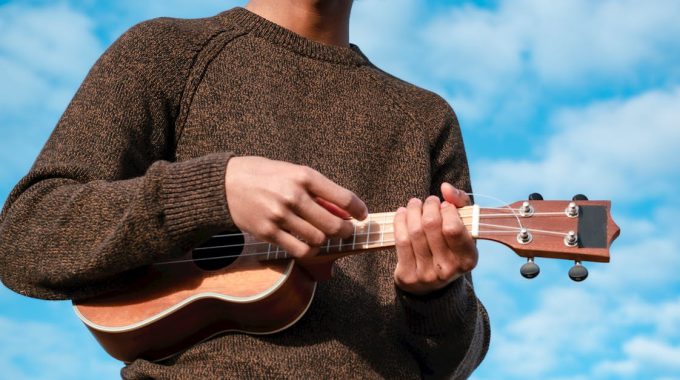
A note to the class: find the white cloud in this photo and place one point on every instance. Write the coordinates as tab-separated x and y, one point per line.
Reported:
42	51
561	41
37	350
621	149
573	40
180	8
642	266
385	32
581	329
663	316
643	353
44	54
517	52
542	340
653	352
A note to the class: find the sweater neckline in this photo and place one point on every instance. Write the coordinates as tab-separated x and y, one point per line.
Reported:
278	35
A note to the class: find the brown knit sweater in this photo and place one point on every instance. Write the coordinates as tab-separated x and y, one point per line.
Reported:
134	173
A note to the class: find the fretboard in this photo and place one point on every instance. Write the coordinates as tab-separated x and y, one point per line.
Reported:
376	231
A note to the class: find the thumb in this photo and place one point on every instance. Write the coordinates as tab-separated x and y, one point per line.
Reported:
455	196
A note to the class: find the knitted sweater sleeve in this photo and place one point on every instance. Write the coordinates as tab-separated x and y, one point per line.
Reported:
103	197
448	330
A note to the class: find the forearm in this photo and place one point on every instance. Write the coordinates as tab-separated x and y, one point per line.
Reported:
59	236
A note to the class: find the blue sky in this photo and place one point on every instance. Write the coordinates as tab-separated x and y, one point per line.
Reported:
558	97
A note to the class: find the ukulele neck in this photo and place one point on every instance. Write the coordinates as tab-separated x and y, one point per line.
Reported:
377	231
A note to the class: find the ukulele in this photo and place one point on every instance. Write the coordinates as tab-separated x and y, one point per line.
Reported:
236	283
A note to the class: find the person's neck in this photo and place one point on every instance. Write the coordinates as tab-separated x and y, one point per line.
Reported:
325	21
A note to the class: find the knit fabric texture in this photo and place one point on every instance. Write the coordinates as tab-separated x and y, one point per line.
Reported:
134	174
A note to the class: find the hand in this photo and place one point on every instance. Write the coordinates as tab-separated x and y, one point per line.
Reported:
434	248
276	201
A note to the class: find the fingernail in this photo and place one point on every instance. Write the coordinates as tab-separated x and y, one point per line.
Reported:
445	204
432	198
401	210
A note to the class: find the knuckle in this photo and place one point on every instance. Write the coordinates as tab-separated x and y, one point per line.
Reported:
292	197
468	263
306	251
445	271
268	231
337	228
405	278
427	277
318	239
305	175
277	214
431	222
416	231
453	230
402	240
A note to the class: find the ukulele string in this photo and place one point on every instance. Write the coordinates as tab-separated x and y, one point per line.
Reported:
327	247
375	233
462	215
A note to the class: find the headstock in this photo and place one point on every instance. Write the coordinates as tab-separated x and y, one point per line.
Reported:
578	230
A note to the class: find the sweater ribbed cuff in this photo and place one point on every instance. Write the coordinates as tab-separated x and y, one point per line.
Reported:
437	312
194	198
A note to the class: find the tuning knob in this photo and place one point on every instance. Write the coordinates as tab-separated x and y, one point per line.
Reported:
530	269
578	272
579	197
535	197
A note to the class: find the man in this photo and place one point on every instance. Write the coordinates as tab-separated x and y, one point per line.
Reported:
185	128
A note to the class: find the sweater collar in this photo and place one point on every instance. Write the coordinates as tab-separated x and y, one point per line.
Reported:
278	35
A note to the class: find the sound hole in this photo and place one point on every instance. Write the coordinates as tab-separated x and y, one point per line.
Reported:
218	252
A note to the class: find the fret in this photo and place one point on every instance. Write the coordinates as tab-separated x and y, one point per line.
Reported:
382	233
362	242
354	237
269	251
474	228
328	245
368	233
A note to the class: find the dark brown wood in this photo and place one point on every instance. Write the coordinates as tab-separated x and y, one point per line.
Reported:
545	244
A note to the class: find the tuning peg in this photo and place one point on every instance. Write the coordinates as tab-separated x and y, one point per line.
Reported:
579	197
578	272
530	269
535	197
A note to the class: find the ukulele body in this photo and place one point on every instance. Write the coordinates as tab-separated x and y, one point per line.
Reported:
173	307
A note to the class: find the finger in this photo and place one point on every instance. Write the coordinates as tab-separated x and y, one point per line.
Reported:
330	224
323	187
333	209
443	260
453	229
414	215
294	246
455	196
458	239
405	272
303	230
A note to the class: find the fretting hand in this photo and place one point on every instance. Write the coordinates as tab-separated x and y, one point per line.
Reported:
276	201
433	246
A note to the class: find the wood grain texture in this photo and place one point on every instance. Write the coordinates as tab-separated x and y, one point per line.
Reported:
198	320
